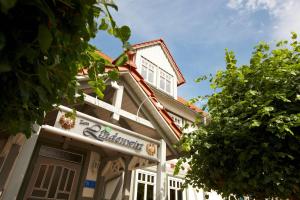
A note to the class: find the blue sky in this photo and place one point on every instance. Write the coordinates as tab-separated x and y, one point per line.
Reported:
198	31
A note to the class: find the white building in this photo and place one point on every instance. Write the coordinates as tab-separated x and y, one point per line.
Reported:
121	147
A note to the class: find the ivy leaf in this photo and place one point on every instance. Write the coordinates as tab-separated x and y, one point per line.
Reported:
113	74
121	60
44	38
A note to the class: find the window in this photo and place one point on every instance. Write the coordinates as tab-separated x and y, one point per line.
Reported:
165	81
148	70
175	191
177	120
156	76
145	185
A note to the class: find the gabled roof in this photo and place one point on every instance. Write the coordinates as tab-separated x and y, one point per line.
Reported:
131	68
169	56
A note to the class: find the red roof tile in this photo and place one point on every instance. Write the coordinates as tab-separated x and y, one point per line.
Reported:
191	106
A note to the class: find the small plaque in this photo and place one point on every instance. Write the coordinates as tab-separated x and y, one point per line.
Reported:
90	184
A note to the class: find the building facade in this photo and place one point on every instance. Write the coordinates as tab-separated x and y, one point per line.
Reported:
120	147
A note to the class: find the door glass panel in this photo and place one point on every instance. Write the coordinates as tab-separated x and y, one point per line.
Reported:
144	177
48	177
150	192
70	180
172	194
140	191
39	193
55	180
62	196
40	176
63	179
179	195
149	178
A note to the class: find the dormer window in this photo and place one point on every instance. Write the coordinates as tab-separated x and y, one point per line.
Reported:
156	76
148	71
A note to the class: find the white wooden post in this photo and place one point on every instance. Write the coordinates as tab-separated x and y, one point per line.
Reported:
161	172
117	99
21	165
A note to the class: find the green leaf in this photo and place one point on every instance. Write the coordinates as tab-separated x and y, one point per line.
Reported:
294	35
44	78
255	123
4	66
99	93
113	74
110	3
124	33
201	78
121	60
44	38
5	5
186	147
103	25
178	166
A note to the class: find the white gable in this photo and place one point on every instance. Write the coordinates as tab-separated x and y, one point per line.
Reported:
156	55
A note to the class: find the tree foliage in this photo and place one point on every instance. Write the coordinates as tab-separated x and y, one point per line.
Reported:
43	45
251	147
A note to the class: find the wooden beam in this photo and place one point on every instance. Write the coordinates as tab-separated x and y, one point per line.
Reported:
99	103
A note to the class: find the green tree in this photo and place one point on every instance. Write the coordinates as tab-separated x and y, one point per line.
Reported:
251	146
43	45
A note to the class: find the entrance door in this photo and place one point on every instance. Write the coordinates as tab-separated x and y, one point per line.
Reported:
55	175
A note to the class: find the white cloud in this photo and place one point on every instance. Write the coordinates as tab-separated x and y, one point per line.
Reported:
185	23
235	4
285	14
287	19
252	4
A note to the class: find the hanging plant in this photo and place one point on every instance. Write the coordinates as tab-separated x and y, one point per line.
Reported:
67	120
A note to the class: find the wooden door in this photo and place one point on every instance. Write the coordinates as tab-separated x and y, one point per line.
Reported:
53	179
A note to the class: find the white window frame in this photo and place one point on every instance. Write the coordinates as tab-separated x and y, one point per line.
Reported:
177	119
175	183
145	182
145	63
167	76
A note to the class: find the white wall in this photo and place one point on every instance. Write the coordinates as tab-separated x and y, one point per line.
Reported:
110	188
156	55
